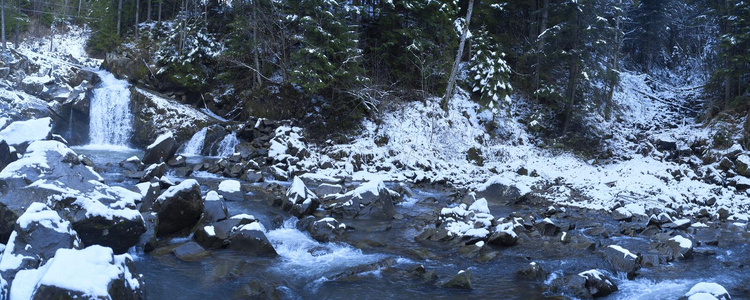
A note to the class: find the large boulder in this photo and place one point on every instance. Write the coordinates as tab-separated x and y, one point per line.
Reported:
676	248
231	190
161	150
39	233
462	280
214	208
179	208
371	199
503	235
323	230
585	285
300	200
51	171
622	260
22	132
91	273
504	188
251	239
742	163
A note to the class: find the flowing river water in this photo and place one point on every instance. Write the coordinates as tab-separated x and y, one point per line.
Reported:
375	258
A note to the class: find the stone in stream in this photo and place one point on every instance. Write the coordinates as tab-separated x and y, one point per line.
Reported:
742	164
214	208
190	251
150	191
370	199
177	161
153	171
323	230
707	291
585	285
676	248
251	239
224	228
161	150
231	190
300	200
622	260
462	280
504	189
547	227
179	208
532	271
206	237
91	273
503	235
132	165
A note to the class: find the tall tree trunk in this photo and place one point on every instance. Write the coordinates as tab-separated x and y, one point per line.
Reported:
80	2
119	15
137	12
452	78
540	47
255	44
160	4
573	75
2	19
615	68
148	11
18	12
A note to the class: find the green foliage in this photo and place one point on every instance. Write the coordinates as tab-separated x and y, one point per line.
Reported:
184	54
489	73
103	16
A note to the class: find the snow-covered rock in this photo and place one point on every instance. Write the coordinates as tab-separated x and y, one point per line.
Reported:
622	260
39	233
300	200
99	213
676	248
370	199
505	188
94	273
214	208
251	239
621	214
231	190
179	208
21	132
707	290
584	285
323	230
503	235
161	150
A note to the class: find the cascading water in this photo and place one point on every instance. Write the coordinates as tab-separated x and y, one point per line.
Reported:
226	146
195	145
111	120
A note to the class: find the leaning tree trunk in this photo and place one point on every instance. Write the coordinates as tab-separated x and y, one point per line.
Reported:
452	78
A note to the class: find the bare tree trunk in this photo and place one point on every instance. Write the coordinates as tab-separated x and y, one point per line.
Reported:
452	78
159	17
615	68
148	11
137	11
119	15
18	12
255	43
540	47
2	19
80	2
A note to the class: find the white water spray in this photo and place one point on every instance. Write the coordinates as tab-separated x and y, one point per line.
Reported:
195	145
111	122
226	146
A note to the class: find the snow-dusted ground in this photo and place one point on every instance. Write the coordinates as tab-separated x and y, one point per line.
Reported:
418	141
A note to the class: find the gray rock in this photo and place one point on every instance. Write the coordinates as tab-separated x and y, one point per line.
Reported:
622	260
161	150
177	161
214	208
251	240
300	200
676	248
462	280
231	190
502	193
179	208
326	229
190	251
532	271
598	284
133	164
547	227
206	237
371	199
153	171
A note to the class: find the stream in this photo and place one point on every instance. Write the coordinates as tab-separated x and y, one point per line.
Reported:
376	257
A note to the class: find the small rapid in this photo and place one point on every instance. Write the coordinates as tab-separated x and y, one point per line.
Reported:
195	145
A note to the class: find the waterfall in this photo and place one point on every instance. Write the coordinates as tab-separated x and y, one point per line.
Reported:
111	121
226	146
195	145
